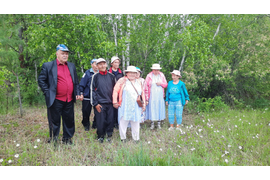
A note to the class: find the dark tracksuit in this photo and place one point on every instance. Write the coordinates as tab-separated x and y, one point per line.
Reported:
101	93
118	74
86	105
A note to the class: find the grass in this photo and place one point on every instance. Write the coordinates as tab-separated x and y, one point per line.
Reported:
240	137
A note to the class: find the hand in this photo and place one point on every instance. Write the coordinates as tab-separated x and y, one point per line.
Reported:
81	98
143	108
167	103
78	97
158	83
146	103
186	102
116	105
98	108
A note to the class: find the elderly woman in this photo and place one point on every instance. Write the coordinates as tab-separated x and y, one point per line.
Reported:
154	85
176	97
125	94
138	76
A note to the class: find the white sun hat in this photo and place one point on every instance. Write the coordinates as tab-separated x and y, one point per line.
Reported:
156	66
114	58
176	72
100	60
131	69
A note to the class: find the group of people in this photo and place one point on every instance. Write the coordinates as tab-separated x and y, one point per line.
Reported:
120	100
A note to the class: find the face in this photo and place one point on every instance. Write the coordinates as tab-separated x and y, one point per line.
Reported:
131	75
94	66
115	64
155	71
62	56
102	66
138	75
175	77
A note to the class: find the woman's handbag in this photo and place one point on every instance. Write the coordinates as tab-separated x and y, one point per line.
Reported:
139	98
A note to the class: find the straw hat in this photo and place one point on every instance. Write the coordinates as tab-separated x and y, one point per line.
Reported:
131	69
156	66
176	72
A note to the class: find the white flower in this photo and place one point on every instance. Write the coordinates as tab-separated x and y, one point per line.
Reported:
217	130
222	155
175	154
192	149
190	143
236	126
208	120
159	140
17	145
14	141
212	127
253	137
201	136
240	147
203	121
160	149
239	119
197	133
9	161
16	155
191	126
256	124
229	129
200	130
1	160
35	147
38	140
229	146
197	141
248	123
237	134
226	152
228	120
214	131
148	142
178	146
269	124
226	160
222	136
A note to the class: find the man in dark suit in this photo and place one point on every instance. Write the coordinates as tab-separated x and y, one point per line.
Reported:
59	83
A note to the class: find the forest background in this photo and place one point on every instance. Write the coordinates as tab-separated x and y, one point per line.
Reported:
223	59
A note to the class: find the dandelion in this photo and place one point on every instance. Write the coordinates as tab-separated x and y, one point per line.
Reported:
200	130
160	149
236	126
148	142
16	155
38	140
9	161
226	152
17	145
226	160
178	146
1	160
35	147
240	147
229	146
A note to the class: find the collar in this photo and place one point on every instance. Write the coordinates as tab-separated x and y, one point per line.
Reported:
58	62
119	70
103	73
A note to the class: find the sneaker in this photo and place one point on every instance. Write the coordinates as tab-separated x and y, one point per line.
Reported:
86	128
158	126
100	140
123	140
152	126
109	140
67	141
171	129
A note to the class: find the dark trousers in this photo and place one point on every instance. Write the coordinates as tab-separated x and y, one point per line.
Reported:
105	120
115	117
86	111
66	110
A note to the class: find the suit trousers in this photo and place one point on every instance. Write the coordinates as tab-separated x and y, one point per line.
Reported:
105	120
86	111
66	110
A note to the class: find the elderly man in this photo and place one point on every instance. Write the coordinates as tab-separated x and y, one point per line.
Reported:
101	98
115	70
85	91
59	82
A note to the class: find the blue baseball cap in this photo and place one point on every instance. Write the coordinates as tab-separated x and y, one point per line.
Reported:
138	69
62	47
93	60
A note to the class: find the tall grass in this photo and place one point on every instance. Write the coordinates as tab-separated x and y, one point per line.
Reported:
216	138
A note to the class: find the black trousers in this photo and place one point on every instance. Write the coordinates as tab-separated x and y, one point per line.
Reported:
115	117
86	111
66	110
105	120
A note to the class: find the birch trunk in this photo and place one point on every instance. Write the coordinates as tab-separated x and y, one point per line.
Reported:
128	36
181	68
80	61
19	91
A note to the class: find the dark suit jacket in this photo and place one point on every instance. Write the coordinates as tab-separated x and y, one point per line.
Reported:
47	81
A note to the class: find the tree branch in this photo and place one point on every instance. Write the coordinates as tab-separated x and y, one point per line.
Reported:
13	48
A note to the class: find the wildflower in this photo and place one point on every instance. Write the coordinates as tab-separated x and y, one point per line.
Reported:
192	149
201	136
148	142
229	146
217	130
237	134
226	152
14	141
253	137
197	133
256	124
236	126
160	149
190	143
35	147
197	141
17	145
239	119
229	129
269	124
159	140
222	155
9	161
38	140
228	120
226	160
240	147
16	155
203	121
175	154
208	120
248	123
191	126
178	146
1	160
200	130
211	127
214	131
222	136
